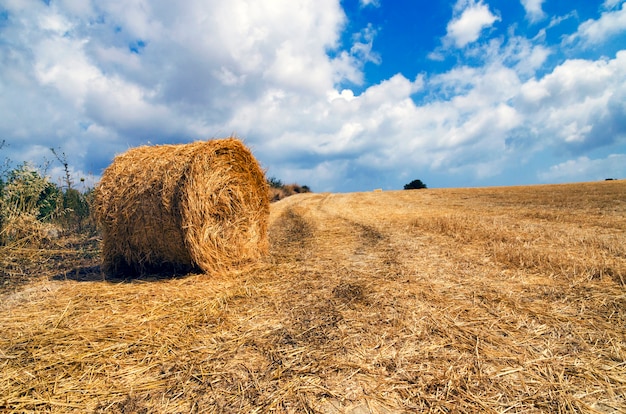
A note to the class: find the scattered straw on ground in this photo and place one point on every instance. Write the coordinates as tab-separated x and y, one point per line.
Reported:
480	300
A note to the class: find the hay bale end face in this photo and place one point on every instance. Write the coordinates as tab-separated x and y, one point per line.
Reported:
202	205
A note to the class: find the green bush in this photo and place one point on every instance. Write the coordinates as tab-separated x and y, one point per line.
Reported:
26	191
31	204
415	185
27	199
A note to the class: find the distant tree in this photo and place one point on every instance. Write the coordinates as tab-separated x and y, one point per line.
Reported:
274	182
415	185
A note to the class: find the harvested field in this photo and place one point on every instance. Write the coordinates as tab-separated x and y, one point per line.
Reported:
454	300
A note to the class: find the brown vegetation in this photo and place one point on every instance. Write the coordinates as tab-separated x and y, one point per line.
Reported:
454	300
278	193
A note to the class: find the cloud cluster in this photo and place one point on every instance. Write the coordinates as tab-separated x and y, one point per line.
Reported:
534	10
611	23
471	17
95	78
98	77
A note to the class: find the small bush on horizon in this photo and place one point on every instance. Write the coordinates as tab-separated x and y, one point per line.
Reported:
274	182
278	190
415	185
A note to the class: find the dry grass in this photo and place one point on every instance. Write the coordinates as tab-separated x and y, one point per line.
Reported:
202	205
480	300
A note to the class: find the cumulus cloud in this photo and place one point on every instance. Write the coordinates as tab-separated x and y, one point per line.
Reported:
160	71
534	12
610	23
579	105
470	18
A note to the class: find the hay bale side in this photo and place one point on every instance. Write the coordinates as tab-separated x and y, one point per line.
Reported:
177	207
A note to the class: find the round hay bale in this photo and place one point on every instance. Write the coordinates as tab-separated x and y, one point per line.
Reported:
178	207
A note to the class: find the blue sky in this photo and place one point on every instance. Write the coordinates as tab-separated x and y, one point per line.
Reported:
339	95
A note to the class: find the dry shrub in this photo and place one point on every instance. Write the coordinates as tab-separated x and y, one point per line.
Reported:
287	190
20	230
201	205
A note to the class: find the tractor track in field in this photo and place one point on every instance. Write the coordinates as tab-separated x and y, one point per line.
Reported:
336	240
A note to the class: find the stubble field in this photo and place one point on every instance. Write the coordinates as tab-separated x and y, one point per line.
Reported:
498	300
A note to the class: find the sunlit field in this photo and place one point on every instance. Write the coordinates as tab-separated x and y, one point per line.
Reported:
509	299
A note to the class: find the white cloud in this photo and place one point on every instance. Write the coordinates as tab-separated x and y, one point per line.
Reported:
610	23
62	64
384	130
471	17
365	3
610	4
557	20
576	105
534	12
586	169
81	8
523	55
345	94
362	44
200	58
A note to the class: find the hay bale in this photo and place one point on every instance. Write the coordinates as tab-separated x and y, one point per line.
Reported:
178	207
